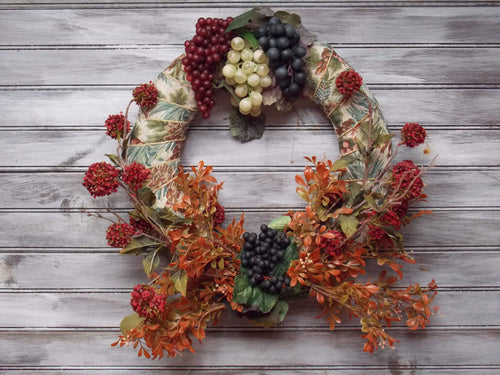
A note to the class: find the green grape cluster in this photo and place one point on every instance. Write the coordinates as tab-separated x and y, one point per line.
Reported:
247	70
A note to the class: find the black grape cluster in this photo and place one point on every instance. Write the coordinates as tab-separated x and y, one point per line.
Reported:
286	56
260	256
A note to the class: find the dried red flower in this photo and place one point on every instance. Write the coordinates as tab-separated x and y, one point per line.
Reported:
146	96
114	125
348	83
407	179
333	243
146	302
119	234
219	214
141	225
134	175
412	134
101	179
391	218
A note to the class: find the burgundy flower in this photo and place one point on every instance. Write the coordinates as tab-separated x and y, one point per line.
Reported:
407	179
146	96
391	218
119	234
413	134
101	179
146	302
114	125
219	214
134	175
348	83
140	226
333	244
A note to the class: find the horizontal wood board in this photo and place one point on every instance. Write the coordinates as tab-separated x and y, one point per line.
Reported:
66	65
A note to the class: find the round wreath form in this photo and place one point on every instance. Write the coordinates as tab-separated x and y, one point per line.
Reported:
355	208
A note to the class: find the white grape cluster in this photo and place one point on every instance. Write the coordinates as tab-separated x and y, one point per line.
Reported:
247	70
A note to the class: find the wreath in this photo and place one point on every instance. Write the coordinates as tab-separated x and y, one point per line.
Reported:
197	266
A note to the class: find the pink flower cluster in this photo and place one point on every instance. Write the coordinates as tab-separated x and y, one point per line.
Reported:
348	83
119	234
134	175
146	96
333	244
101	179
114	125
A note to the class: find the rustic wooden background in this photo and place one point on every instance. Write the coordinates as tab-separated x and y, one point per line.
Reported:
65	65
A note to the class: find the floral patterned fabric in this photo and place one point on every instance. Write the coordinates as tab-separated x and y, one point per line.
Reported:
158	138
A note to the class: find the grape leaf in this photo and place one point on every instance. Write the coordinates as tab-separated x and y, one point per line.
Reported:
272	319
241	20
249	295
291	18
291	254
246	128
180	279
130	322
151	261
248	36
349	224
279	223
138	245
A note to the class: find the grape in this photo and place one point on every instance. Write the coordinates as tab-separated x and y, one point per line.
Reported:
253	79
299	51
266	81
274	21
229	70
237	43
230	81
241	91
233	57
286	55
245	105
281	73
248	67
293	89
264	42
203	52
261	31
256	111
262	70
299	77
273	54
298	63
240	77
247	54
259	56
282	42
289	30
256	99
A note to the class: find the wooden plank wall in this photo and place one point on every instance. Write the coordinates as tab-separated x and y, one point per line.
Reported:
66	65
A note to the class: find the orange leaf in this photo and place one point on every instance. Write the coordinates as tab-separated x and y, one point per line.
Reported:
299	180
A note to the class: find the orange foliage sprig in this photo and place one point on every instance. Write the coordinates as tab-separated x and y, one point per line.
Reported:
371	231
200	274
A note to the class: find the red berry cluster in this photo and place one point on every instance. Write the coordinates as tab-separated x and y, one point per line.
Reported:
376	232
413	134
114	125
219	214
140	226
333	244
119	234
407	179
146	96
348	83
146	302
203	53
101	179
134	175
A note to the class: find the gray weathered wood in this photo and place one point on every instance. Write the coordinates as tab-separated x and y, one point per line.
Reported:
277	188
135	64
469	269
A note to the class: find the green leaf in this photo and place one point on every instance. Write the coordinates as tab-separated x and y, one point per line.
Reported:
246	294
279	223
383	139
114	159
348	224
151	261
130	322
146	196
138	245
241	20
339	164
180	279
291	18
290	255
272	319
371	201
246	128
248	35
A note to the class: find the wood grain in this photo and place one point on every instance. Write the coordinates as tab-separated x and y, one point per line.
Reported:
66	64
